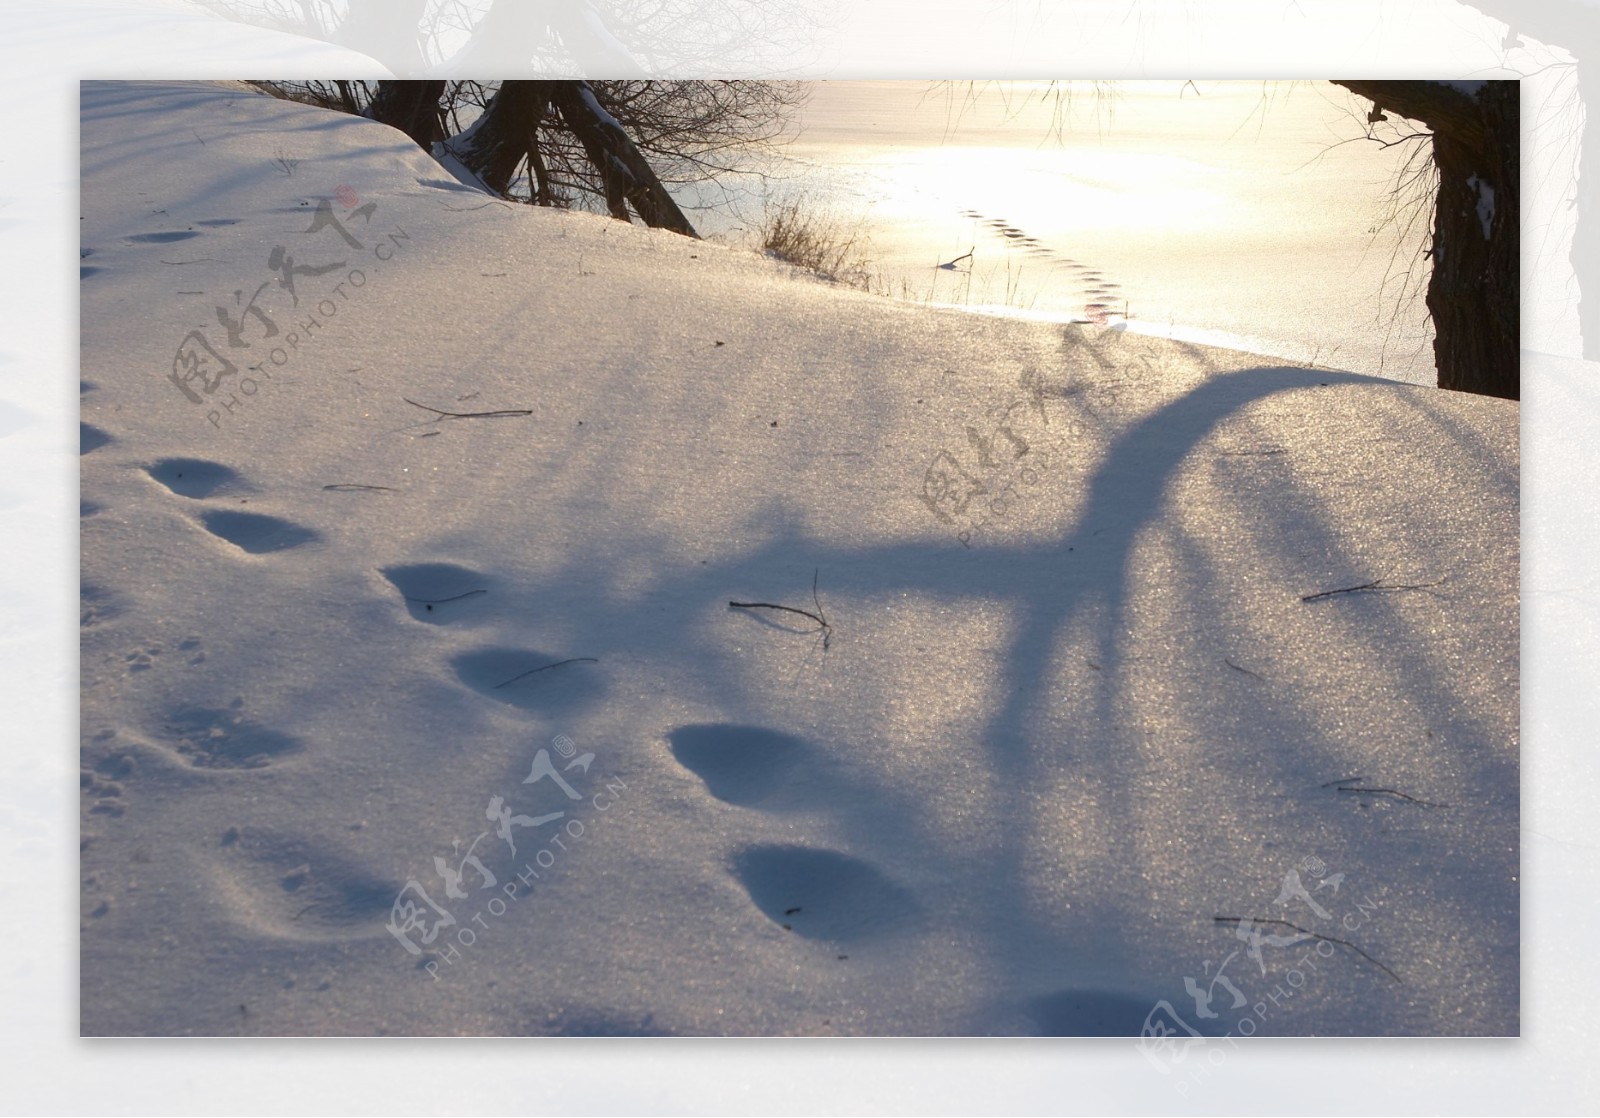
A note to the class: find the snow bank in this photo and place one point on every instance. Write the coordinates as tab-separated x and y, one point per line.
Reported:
434	716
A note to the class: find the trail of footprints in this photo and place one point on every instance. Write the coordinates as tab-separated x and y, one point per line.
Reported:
1100	295
814	892
159	238
290	888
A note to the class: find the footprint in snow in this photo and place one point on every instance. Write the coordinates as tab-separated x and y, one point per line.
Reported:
97	605
529	679
823	894
211	738
294	889
571	1021
91	438
438	592
744	765
1089	1013
255	533
196	477
161	238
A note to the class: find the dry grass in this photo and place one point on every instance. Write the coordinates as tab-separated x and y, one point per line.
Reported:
811	239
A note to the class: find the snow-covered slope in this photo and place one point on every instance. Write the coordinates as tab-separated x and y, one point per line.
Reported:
341	653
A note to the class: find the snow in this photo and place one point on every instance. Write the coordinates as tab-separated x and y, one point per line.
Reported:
1070	708
1485	207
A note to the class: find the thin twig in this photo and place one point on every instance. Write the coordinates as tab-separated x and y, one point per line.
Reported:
341	486
470	414
441	601
785	609
1342	780
1308	932
469	209
827	630
1392	792
1375	585
823	627
547	667
1246	671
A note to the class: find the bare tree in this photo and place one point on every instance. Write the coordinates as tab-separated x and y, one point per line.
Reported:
1474	293
510	133
619	145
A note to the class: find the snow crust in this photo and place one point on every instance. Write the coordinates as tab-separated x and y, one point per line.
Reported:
1077	696
1485	205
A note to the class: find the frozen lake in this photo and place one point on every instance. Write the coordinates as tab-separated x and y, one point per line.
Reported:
1224	212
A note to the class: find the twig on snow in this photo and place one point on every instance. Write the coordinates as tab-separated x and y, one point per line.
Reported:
1307	932
547	667
431	602
1377	585
819	617
1246	671
470	414
1394	793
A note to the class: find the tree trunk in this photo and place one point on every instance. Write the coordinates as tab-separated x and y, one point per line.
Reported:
623	170
500	139
412	107
507	133
1573	25
1474	293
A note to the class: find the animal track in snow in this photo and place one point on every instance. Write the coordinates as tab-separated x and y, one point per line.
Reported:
571	1021
255	533
195	477
742	765
97	605
1089	1013
91	438
438	592
104	795
295	889
513	676
823	894
165	238
142	659
225	739
1097	293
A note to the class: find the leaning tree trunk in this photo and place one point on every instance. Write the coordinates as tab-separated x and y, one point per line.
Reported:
623	170
508	132
412	107
1474	293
